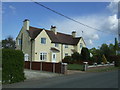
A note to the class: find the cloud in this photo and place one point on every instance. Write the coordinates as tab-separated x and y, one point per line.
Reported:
104	22
12	8
113	7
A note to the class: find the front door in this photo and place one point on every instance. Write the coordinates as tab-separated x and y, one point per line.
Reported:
53	57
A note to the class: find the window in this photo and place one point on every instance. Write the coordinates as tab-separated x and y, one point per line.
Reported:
26	57
81	45
66	54
43	56
56	45
66	46
19	41
43	40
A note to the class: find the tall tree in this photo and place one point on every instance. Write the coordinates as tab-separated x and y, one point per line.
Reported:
8	43
85	53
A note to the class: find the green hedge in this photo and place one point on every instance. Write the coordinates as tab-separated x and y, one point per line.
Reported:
12	66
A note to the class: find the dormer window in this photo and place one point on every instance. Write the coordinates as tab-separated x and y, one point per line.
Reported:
43	40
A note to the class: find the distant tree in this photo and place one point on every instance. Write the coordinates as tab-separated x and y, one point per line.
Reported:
85	53
104	60
112	50
105	50
8	43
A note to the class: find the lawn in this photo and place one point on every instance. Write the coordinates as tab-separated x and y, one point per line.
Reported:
75	67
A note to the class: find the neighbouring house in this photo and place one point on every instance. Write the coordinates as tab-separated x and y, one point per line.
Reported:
44	45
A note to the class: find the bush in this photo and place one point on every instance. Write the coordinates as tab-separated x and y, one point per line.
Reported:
67	59
117	60
12	66
85	54
75	56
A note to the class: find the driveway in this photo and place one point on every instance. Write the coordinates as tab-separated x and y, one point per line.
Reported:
34	74
78	80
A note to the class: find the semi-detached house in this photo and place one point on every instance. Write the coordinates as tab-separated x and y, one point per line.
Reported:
44	45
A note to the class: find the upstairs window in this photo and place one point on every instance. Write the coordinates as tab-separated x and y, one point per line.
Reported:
56	45
43	40
19	41
66	46
81	45
66	54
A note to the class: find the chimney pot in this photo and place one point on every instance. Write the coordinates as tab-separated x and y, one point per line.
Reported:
54	29
26	24
74	33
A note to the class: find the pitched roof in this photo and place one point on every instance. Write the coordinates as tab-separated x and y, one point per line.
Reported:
55	38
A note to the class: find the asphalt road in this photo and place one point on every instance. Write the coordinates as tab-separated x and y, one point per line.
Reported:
79	80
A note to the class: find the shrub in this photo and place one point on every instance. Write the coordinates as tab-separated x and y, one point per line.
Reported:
12	66
117	60
67	59
75	56
85	54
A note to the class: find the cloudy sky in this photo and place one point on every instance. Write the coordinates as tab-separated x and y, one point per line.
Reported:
99	15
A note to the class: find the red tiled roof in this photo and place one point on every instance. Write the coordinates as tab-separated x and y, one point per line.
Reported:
55	38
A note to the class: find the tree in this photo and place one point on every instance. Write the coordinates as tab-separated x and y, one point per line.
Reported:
105	50
104	59
75	56
85	53
8	43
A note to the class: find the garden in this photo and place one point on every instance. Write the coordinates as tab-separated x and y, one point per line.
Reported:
104	55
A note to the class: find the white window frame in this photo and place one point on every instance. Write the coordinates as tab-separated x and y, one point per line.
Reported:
67	54
43	56
19	41
45	40
66	46
81	45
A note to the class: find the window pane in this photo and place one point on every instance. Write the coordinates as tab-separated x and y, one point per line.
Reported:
81	45
43	40
66	46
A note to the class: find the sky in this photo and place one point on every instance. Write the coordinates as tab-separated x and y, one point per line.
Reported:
100	15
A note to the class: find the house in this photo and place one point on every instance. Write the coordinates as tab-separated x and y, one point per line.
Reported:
47	45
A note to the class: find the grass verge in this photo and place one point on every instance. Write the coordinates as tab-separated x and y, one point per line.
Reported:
103	69
75	67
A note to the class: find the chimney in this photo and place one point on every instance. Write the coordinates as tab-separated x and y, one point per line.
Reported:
74	33
54	29
26	23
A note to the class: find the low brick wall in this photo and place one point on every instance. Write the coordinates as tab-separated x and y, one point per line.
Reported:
47	66
100	66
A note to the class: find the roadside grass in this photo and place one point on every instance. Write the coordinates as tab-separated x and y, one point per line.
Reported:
75	67
103	69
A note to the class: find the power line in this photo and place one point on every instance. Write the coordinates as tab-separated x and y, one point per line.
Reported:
69	17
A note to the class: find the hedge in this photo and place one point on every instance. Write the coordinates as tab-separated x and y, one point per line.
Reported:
12	66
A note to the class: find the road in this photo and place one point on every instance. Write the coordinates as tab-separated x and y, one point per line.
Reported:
79	80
